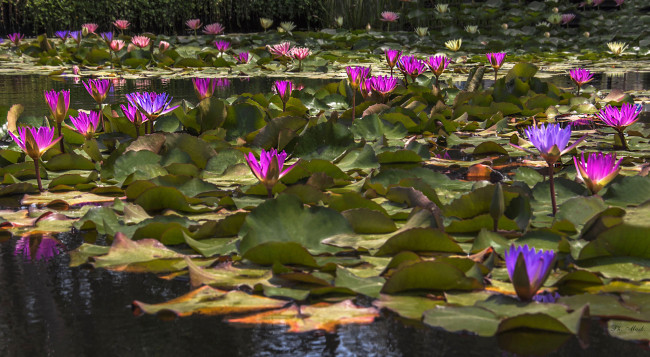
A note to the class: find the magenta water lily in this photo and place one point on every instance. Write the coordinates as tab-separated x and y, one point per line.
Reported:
392	56
37	247
98	89
134	116
222	46
204	87
35	142
356	75
598	170
280	50
580	77
270	168
528	269
411	66
383	85
283	89
551	141
15	38
86	123
619	119
437	65
496	61
243	57
58	102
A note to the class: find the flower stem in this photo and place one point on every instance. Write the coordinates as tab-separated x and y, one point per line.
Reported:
137	130
551	171
437	83
269	190
38	175
496	72
284	106
354	95
621	136
58	128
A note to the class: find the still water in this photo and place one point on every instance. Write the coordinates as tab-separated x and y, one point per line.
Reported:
49	309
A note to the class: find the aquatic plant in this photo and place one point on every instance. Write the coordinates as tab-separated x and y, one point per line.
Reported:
442	8
619	119
243	57
617	48
116	45
213	29
193	25
270	168
222	46
528	269
383	85
567	18
58	102
86	123
121	25
421	31
496	61
76	36
437	65
35	142
287	26
152	105
299	53
280	50
90	27
356	75
551	141
598	170
37	247
63	35
15	38
339	21
107	37
135	116
411	66
471	29
283	89
392	56
454	45
163	46
388	17
141	41
204	87
581	76
266	23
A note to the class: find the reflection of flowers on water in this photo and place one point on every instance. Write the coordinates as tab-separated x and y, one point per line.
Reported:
222	83
37	247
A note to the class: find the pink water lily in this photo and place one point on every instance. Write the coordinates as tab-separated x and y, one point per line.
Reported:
90	27
121	24
86	123
163	46
389	16
280	50
116	45
141	41
270	168
566	18
283	89
213	29
193	24
35	142
598	170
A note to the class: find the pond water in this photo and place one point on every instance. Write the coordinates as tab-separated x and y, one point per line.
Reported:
28	89
49	309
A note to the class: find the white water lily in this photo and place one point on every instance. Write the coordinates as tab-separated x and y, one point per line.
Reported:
421	31
266	23
617	48
471	29
442	8
287	26
454	45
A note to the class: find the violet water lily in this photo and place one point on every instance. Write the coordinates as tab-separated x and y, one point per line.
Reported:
598	170
107	37
76	36
270	168
58	102
528	269
151	105
392	56
619	119
356	75
204	87
496	61
86	123
580	76
551	141
283	89
63	35
35	142
437	65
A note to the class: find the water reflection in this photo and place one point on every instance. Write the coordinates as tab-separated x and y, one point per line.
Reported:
37	247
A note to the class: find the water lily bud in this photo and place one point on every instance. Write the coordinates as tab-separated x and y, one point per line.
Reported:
368	27
504	26
84	31
556	10
130	47
547	34
497	206
586	34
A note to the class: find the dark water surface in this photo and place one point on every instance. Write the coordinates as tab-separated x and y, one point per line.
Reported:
49	309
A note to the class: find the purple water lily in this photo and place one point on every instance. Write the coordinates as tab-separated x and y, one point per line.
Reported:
59	102
270	169
546	297
437	65
76	36
356	74
496	61
383	85
411	66
204	87
134	116
283	89
151	105
580	76
392	56
222	46
551	141
107	37
63	35
528	269
86	123
619	119
35	142
243	57
98	89
598	170
15	37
